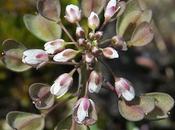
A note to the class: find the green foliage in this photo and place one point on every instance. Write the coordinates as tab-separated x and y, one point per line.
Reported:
25	121
42	28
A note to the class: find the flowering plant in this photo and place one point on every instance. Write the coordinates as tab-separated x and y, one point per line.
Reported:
86	51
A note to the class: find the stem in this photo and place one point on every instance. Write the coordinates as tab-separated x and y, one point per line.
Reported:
62	63
73	126
56	105
107	67
66	31
105	41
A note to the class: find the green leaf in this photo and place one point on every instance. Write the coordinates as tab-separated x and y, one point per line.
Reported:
163	101
156	114
12	58
41	96
142	35
146	16
50	9
66	123
130	16
42	28
25	121
92	5
136	109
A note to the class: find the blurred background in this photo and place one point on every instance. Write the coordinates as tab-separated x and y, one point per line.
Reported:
150	68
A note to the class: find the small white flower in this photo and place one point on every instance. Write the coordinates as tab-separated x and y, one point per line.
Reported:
65	55
110	53
61	85
110	9
124	88
73	13
93	21
55	46
95	82
34	57
85	112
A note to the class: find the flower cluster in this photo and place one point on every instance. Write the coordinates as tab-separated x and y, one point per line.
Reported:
87	51
87	46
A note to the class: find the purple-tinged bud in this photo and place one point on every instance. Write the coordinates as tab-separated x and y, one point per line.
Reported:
95	82
65	55
80	32
61	85
110	53
89	58
93	21
98	35
95	50
91	35
110	9
84	111
73	13
118	42
55	46
124	88
81	41
34	57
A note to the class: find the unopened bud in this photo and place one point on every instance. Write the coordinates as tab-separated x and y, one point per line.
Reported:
34	57
55	46
110	53
98	35
110	9
119	42
73	14
93	21
65	55
61	85
95	82
124	88
89	58
80	32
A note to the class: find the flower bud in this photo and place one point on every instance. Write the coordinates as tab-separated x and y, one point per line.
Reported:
110	9
118	42
89	58
34	57
80	32
65	55
93	21
61	85
98	35
95	82
84	111
124	88
73	14
55	46
110	53
81	41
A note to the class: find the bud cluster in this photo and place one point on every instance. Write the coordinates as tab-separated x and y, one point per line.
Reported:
87	46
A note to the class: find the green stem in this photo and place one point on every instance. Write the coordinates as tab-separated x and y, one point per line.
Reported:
66	31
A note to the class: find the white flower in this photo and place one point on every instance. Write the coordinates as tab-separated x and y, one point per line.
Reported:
34	57
84	111
110	9
110	53
95	82
61	85
65	55
55	46
73	14
124	88
93	21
